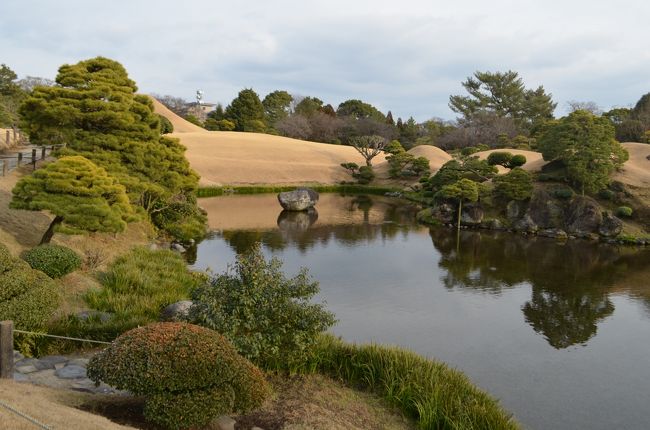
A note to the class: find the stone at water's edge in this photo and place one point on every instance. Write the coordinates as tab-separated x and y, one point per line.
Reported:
298	200
611	226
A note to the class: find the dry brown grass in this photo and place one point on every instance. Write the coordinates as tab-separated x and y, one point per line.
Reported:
316	402
55	408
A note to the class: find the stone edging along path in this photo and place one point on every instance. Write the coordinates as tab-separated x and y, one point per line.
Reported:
58	371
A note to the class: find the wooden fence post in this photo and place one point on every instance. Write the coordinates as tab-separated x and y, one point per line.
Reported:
43	149
20	158
34	158
6	350
4	167
8	139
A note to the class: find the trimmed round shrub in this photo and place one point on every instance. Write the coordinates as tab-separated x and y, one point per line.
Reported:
166	125
27	296
624	211
499	158
188	374
366	175
53	260
517	161
514	185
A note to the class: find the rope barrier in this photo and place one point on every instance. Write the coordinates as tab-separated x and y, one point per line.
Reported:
62	337
25	416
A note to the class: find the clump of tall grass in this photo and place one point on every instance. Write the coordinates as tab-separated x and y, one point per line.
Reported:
142	282
134	289
437	396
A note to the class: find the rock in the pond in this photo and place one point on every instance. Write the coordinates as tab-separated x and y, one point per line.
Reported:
472	215
298	200
178	311
584	216
297	221
71	372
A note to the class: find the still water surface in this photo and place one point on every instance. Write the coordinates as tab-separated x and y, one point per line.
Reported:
560	333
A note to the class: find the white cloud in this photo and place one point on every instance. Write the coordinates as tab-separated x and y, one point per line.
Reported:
407	56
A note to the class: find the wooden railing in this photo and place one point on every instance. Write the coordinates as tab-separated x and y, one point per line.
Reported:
9	162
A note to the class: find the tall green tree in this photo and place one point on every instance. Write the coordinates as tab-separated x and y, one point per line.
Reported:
246	111
585	144
11	95
504	94
308	106
80	195
94	110
276	106
358	109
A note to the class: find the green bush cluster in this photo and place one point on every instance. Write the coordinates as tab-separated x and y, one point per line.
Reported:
53	260
506	159
624	211
27	296
166	125
435	395
563	193
514	185
188	374
364	174
269	318
606	194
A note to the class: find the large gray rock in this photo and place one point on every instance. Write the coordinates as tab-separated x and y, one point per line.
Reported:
526	225
298	200
545	211
178	311
611	226
445	213
472	215
583	216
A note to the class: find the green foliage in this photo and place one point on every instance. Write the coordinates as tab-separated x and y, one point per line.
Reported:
514	185
499	158
436	396
82	196
358	109
563	193
11	95
469	150
276	106
624	211
166	125
365	175
143	282
308	106
394	148
27	296
94	110
182	219
219	125
505	95
188	374
53	260
606	194
193	119
585	144
403	164
462	190
246	111
268	317
517	160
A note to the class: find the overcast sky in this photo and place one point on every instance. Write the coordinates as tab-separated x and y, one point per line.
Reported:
407	56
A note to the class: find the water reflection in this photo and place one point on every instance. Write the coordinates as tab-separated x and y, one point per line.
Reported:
570	282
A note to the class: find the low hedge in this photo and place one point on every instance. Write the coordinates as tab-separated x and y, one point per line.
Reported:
189	374
53	260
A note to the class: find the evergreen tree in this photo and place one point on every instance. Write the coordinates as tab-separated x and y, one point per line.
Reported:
80	195
462	190
514	185
94	110
586	145
276	106
505	95
308	106
389	118
359	110
246	111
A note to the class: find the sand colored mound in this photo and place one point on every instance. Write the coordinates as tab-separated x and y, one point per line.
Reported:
48	406
228	157
180	125
636	171
534	160
436	156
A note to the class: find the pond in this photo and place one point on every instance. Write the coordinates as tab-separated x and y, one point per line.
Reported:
560	333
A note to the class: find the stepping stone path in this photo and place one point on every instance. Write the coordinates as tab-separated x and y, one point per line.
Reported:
58	371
